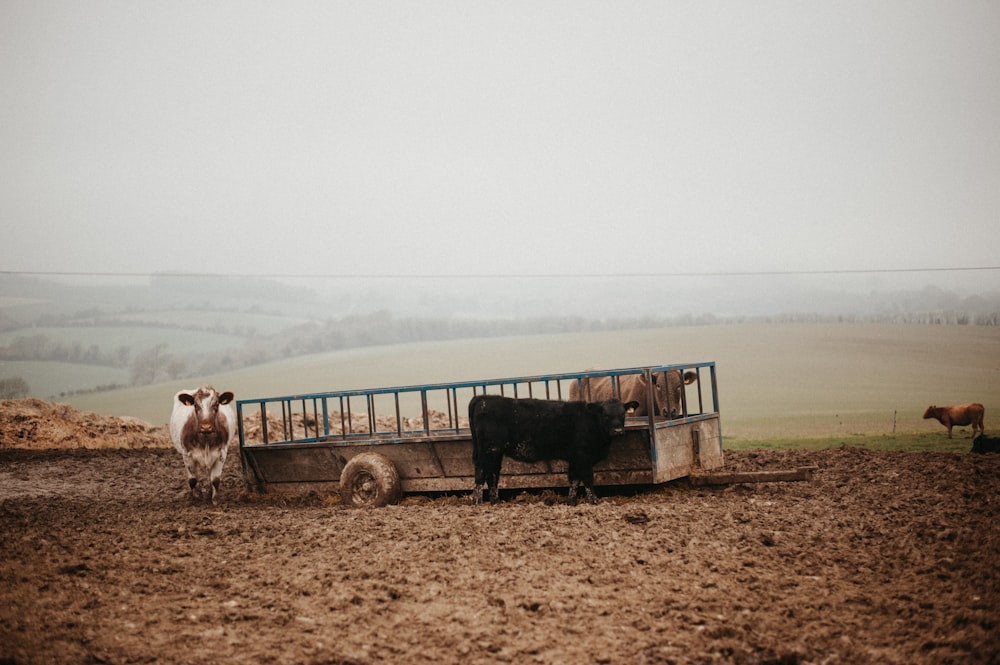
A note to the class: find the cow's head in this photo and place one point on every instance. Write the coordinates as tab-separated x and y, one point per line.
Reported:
931	412
206	401
611	414
668	387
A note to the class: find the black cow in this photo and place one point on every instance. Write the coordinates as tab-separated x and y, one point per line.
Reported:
985	444
532	430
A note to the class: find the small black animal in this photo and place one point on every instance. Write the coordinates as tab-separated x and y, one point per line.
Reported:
985	444
532	430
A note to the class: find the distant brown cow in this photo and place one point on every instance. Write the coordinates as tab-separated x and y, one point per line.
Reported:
962	414
666	392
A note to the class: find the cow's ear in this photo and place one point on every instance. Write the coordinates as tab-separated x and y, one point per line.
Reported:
226	397
631	406
185	399
689	378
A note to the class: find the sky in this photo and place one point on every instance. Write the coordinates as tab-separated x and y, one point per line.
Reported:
499	138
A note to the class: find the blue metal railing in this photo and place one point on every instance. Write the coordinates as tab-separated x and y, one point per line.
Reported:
356	415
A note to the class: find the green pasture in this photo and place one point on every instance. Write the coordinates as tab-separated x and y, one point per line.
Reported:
779	384
930	441
49	380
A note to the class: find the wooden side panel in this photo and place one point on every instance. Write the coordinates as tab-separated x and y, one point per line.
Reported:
685	447
446	464
298	465
710	444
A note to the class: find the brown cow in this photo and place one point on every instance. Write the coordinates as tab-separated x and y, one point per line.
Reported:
666	392
962	414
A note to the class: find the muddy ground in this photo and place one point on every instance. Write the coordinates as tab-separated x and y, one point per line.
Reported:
884	557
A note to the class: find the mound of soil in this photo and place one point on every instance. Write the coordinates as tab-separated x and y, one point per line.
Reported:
883	557
32	423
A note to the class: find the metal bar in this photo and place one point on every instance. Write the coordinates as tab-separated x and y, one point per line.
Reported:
502	386
372	425
778	476
684	402
425	412
316	418
326	420
399	421
239	420
263	421
350	421
650	397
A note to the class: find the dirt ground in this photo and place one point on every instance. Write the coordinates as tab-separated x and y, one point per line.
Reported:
884	557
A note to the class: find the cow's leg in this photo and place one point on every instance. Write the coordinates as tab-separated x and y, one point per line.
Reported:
493	476
215	475
192	471
581	473
479	458
487	473
493	481
477	489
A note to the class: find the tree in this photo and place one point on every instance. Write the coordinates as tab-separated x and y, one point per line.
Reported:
14	388
148	364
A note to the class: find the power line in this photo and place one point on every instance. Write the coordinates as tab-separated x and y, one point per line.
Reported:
609	275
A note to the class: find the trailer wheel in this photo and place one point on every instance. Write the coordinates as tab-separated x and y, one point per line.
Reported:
369	480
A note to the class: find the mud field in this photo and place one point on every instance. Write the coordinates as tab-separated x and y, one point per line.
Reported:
881	558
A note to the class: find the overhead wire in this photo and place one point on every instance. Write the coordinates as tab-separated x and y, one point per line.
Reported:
606	275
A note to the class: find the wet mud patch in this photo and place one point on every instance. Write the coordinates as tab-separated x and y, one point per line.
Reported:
883	557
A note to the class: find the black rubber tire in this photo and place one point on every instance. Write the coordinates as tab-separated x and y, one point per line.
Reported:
369	480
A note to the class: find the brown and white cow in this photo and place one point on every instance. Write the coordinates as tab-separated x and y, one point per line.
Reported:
202	426
962	414
666	391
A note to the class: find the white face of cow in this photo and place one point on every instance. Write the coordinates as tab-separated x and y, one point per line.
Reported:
206	401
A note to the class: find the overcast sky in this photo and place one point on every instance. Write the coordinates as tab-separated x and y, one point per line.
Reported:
498	137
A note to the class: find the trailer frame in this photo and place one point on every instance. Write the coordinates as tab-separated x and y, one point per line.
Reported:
306	441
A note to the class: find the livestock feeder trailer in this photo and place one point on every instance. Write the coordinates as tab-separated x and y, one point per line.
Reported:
374	445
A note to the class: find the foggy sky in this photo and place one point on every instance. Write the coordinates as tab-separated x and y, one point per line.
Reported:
500	138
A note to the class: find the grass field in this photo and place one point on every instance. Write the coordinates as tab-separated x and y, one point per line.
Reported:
53	378
821	383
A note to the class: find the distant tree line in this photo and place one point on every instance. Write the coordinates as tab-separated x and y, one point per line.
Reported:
42	347
14	388
156	364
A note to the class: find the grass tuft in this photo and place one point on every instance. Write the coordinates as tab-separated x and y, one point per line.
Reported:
912	442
